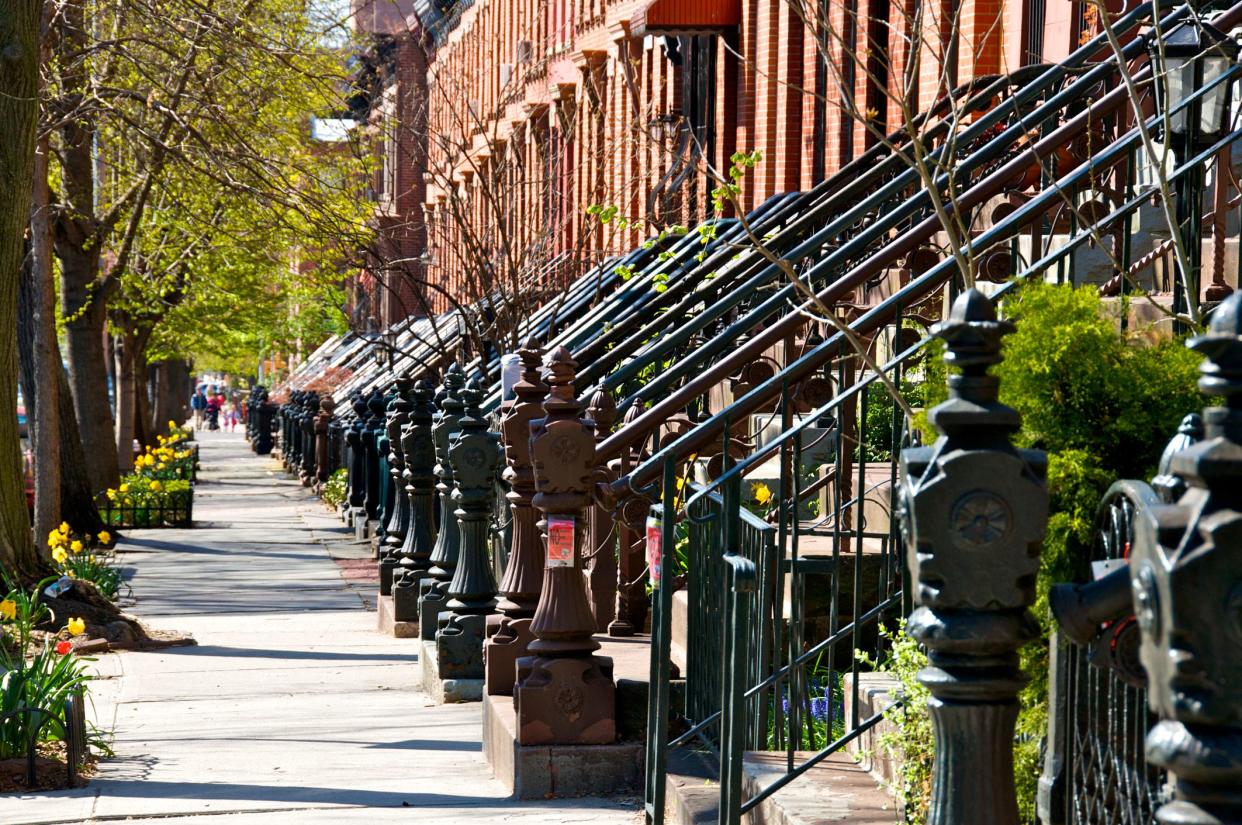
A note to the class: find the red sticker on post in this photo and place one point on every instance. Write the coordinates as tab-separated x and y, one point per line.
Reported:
560	541
655	535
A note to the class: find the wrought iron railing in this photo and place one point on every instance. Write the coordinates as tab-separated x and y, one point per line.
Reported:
166	509
846	523
1096	770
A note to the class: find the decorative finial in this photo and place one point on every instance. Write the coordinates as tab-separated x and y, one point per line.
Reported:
1221	373
973	333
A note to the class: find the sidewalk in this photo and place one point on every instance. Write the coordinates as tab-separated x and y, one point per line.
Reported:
292	708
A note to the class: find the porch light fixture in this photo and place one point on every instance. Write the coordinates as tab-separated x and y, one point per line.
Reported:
1191	56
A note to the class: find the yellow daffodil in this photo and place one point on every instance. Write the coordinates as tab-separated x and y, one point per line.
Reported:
55	539
64	527
105	537
156	486
75	547
8	609
75	626
762	494
60	555
172	425
124	488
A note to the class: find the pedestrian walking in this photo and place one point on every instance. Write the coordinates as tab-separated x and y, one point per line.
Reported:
214	403
198	403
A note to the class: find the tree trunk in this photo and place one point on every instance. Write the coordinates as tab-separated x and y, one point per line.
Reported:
77	493
142	402
126	408
169	385
78	245
19	112
76	497
88	368
42	393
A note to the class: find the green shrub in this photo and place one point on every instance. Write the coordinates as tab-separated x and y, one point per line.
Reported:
335	488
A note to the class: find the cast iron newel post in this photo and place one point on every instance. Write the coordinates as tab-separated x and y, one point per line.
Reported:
284	428
357	458
602	568
1187	587
564	694
373	427
631	554
399	515
414	557
306	461
433	588
974	512
263	424
509	633
323	438
291	449
475	454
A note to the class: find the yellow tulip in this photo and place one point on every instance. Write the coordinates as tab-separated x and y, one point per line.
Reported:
124	488
76	547
155	486
60	555
8	609
105	537
76	626
762	494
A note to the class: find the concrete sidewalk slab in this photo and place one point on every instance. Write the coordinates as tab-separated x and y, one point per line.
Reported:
292	708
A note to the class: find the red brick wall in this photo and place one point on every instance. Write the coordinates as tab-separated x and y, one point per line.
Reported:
572	127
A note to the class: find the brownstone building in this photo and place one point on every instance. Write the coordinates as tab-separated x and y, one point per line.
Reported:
500	122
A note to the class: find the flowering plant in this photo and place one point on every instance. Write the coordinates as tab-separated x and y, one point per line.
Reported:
142	501
86	557
39	676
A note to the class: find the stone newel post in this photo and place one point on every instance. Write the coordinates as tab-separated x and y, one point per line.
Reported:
399	510
974	511
433	590
414	556
1187	587
509	633
475	453
564	694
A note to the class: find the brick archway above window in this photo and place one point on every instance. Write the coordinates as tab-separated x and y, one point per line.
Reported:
686	17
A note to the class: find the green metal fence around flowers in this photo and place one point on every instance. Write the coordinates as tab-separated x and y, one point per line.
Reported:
164	508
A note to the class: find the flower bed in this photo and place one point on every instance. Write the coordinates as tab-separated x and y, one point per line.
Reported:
173	459
86	557
159	492
45	683
148	502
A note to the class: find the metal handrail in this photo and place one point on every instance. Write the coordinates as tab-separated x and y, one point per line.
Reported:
991	183
1002	230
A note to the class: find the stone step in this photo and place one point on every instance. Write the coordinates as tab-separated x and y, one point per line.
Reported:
835	790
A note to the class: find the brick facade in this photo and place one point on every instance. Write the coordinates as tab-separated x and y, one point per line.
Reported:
519	114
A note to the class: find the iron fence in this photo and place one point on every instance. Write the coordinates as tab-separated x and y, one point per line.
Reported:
1096	771
168	509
